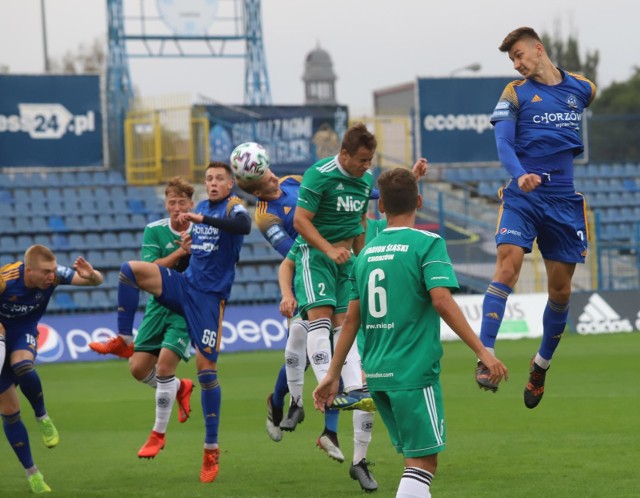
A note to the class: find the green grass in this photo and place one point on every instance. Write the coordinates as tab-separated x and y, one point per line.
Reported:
582	441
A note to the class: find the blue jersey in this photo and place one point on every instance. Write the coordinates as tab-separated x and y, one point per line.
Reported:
547	120
274	218
215	252
21	305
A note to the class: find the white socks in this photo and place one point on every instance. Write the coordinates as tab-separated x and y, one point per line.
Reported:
415	483
319	346
362	427
165	398
295	355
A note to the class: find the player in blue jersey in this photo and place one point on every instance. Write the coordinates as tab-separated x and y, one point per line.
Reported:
25	290
200	293
537	127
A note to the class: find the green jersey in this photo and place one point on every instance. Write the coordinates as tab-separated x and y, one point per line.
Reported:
337	199
159	241
392	278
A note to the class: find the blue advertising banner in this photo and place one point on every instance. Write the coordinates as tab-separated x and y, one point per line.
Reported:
67	338
50	121
295	136
454	116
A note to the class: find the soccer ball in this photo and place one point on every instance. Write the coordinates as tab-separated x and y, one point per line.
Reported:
249	161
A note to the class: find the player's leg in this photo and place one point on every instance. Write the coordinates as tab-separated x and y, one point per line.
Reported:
21	359
563	243
166	391
508	266
17	436
275	405
359	470
134	275
415	421
203	325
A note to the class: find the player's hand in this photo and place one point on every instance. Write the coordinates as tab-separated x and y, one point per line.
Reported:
529	181
339	255
83	267
497	369
420	168
324	394
288	305
184	242
192	217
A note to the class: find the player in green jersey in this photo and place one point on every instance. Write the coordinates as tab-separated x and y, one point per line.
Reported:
402	283
162	339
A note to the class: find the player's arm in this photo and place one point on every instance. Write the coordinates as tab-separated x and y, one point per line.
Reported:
303	223
238	223
327	389
420	168
450	312
288	302
505	142
360	240
85	274
273	230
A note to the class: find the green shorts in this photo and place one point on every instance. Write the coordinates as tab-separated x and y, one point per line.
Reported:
161	328
321	282
414	419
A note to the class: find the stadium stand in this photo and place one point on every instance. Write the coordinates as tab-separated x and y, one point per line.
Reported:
96	214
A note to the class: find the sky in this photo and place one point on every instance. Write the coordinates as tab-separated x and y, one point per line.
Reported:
374	44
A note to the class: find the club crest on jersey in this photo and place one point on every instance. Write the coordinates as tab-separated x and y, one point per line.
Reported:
572	101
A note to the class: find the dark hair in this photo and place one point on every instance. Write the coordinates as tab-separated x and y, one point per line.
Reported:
398	191
516	35
358	136
180	187
220	164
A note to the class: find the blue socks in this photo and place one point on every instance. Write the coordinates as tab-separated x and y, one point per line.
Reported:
281	388
128	299
18	438
554	321
495	301
331	416
30	385
210	396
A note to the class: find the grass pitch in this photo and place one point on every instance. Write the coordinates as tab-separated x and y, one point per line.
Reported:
581	441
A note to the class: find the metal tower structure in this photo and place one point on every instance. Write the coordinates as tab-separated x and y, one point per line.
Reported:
179	28
119	92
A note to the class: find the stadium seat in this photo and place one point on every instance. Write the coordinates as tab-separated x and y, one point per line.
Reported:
136	206
93	241
128	240
59	242
64	301
82	299
9	244
271	291
100	300
56	224
110	240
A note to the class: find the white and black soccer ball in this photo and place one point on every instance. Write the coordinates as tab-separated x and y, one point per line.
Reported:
249	161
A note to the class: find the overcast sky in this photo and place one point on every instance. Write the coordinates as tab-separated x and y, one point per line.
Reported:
374	44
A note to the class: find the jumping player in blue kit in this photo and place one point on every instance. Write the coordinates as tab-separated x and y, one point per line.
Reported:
200	293
25	290
537	127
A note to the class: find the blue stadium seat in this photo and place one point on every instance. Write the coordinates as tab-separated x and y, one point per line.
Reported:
60	242
122	222
64	301
128	240
136	206
56	224
271	291
9	244
82	299
93	241
100	300
110	240
77	242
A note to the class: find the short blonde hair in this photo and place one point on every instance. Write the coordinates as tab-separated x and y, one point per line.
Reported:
38	252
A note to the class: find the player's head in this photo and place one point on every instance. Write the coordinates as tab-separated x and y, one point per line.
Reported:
357	150
178	197
525	49
265	188
39	267
218	180
398	192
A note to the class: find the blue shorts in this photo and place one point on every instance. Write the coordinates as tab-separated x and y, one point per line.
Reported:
555	216
21	336
202	311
